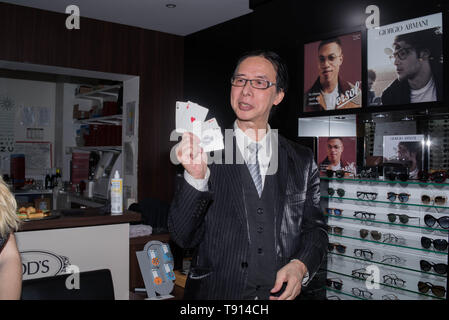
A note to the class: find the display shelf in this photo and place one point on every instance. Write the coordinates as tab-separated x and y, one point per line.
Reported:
98	148
390	244
101	93
388	286
344	293
114	120
446	183
389	265
402	204
402	225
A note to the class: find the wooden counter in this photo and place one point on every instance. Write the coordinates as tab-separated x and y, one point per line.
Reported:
72	218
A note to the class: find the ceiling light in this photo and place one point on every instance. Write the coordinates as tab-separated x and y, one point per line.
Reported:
170	5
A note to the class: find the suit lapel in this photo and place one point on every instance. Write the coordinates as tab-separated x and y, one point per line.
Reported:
282	177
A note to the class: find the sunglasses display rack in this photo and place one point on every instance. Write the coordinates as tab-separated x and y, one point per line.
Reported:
439	149
387	240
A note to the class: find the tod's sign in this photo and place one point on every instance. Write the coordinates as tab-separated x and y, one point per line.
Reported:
39	263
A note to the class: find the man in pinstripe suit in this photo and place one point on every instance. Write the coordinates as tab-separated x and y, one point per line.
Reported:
258	232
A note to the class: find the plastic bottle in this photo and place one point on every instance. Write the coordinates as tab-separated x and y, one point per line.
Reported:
116	194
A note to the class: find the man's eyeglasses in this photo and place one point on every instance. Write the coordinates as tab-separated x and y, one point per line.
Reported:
439	244
255	83
401	54
440	268
366	195
340	192
365	253
331	58
334	211
438	200
424	287
376	235
335	229
430	221
339	247
362	293
338	173
337	283
402	197
402	217
365	215
393	279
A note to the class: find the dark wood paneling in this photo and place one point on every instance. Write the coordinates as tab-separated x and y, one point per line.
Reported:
40	37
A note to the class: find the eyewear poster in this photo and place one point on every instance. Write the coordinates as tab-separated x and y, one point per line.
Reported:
337	153
406	149
405	62
333	73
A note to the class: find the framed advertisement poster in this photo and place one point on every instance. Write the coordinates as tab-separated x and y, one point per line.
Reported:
407	150
337	153
333	73
405	62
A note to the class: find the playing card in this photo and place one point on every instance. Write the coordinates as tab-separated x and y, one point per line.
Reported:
180	107
190	112
211	140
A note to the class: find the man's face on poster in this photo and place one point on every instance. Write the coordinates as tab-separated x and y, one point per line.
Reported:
406	61
330	59
404	153
334	150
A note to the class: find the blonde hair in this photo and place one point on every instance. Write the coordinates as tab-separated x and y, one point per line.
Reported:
9	221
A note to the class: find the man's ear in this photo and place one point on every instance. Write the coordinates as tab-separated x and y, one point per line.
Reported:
424	54
279	96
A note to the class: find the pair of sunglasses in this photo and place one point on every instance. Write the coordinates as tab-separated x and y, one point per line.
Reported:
339	247
334	229
338	173
437	176
424	287
362	293
337	283
360	273
365	215
440	268
340	192
439	244
391	258
397	175
366	195
430	221
402	197
334	211
365	253
376	235
438	200
393	279
403	218
368	174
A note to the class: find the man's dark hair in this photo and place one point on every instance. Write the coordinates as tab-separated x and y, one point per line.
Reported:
337	138
429	39
279	66
331	40
371	74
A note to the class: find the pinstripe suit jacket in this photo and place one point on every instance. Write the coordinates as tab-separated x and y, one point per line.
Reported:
215	223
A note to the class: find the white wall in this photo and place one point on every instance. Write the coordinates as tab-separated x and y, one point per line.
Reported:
28	93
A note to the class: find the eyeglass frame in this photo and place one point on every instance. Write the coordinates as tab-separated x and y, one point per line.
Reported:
400	216
397	196
333	229
362	293
432	242
366	194
268	83
394	279
340	192
365	213
333	209
436	221
363	253
398	54
353	273
392	257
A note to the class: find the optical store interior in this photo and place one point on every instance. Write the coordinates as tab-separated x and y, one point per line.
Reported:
87	107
